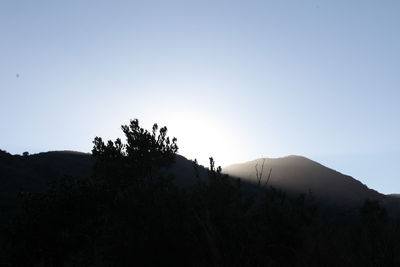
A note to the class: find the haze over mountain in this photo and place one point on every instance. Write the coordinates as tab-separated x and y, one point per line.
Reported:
301	175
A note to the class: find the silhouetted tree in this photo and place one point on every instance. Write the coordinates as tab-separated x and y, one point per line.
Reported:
144	152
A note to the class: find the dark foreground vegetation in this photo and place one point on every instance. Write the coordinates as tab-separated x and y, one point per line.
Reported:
130	213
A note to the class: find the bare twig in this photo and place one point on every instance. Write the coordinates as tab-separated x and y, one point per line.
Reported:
260	173
269	176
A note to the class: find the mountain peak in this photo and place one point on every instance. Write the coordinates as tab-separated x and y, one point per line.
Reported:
300	175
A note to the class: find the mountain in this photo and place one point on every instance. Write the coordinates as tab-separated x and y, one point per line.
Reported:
293	174
34	173
76	227
300	175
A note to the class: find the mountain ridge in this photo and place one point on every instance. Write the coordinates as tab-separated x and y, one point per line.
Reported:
293	174
300	175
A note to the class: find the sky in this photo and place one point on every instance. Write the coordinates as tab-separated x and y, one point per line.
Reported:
236	80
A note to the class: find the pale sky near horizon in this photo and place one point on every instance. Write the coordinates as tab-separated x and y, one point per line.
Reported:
236	80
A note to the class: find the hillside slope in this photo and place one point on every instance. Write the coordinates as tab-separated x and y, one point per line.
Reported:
293	174
34	173
298	175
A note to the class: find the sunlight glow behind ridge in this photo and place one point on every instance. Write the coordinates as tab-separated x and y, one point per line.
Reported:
200	136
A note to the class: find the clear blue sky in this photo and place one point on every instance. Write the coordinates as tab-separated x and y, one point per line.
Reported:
234	79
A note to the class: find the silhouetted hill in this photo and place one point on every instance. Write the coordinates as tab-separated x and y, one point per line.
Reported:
35	172
294	174
301	175
392	204
183	171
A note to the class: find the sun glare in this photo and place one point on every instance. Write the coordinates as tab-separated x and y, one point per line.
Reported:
201	136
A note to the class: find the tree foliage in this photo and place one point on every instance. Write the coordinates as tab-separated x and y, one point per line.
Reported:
137	159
